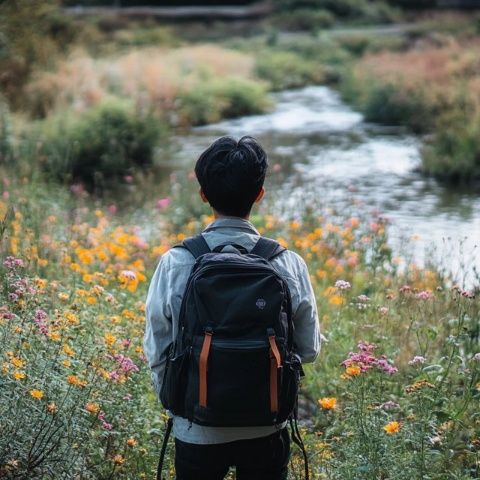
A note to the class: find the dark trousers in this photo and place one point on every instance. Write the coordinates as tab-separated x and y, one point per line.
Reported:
264	458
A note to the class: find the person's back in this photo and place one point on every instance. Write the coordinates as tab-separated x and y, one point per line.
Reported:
231	176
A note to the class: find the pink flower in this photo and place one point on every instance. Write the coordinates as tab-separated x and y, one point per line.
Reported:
342	285
40	319
163	203
366	360
423	295
383	310
128	178
12	263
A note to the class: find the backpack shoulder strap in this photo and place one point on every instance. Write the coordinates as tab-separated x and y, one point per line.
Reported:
267	248
196	245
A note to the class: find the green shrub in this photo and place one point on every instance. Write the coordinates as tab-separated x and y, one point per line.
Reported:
213	100
103	143
304	19
284	69
6	145
453	152
387	103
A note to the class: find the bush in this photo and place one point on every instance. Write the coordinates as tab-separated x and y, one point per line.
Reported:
6	147
287	70
213	100
103	143
304	19
453	152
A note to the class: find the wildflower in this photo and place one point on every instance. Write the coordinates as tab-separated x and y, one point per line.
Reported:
328	403
383	311
63	297
363	298
52	407
40	319
54	336
131	442
336	300
423	295
392	427
353	371
419	385
17	362
342	285
37	394
365	359
163	203
109	339
92	407
476	357
389	405
118	460
11	263
18	375
417	359
75	381
67	350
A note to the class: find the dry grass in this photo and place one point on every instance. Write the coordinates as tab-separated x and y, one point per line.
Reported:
152	77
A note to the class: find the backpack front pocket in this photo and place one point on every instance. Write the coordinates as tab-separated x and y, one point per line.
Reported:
237	383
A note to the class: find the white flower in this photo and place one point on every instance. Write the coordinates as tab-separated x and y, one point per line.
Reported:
342	285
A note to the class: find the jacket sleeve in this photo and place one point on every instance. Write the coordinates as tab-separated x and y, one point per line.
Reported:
158	329
305	318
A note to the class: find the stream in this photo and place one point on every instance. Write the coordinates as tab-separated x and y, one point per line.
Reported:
323	151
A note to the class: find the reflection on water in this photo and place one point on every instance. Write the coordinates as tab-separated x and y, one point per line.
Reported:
325	149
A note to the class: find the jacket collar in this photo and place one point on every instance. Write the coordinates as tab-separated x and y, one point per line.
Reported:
235	223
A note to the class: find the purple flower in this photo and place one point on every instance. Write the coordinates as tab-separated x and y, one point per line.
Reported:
12	263
417	359
390	405
40	319
363	298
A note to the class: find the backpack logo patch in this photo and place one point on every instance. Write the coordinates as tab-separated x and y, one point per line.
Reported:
260	303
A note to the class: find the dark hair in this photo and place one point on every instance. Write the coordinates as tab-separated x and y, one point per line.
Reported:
231	174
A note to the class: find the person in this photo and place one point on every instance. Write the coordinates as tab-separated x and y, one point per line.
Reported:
231	175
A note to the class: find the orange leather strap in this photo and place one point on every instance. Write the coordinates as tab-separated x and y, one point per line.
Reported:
275	364
207	341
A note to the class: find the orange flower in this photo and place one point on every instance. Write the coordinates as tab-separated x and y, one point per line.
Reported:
92	407
118	460
392	427
353	371
328	403
131	442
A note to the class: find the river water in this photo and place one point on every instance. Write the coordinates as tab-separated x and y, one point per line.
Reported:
324	152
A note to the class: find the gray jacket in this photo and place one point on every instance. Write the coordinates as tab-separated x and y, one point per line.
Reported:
163	307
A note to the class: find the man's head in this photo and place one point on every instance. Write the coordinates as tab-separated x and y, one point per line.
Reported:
231	175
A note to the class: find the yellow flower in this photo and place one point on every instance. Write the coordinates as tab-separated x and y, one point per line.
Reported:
392	427
109	339
91	300
63	297
67	350
328	403
54	336
37	394
17	362
118	460
18	375
131	442
67	363
92	407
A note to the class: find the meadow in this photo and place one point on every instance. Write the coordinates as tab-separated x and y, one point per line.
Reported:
86	211
393	395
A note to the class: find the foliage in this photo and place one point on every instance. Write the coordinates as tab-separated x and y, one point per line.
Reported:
432	89
283	69
71	322
101	144
6	135
212	100
304	19
357	10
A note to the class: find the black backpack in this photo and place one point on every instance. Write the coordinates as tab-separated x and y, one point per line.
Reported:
233	362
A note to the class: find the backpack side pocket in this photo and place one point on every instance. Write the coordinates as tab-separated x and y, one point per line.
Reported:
172	393
292	371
